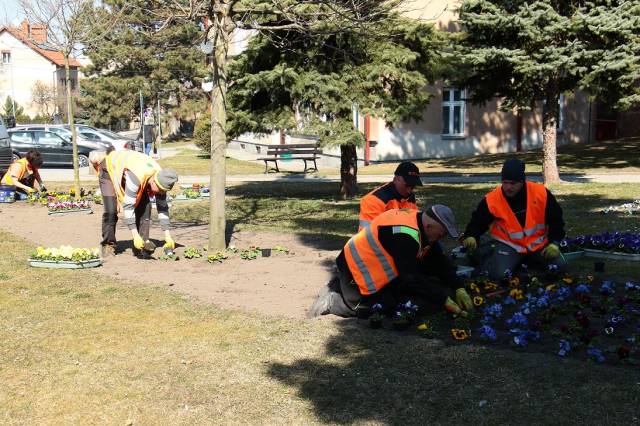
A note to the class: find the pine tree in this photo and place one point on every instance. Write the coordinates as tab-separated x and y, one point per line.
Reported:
311	84
136	56
8	109
532	51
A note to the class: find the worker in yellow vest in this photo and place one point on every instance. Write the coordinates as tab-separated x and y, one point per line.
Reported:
525	225
24	173
127	180
397	194
396	258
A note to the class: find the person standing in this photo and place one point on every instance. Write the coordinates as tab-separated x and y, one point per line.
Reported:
127	180
397	194
24	173
524	221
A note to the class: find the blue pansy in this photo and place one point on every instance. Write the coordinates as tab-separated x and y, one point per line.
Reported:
595	354
518	319
607	288
520	340
488	333
630	286
542	302
377	307
494	310
508	301
565	348
582	289
563	293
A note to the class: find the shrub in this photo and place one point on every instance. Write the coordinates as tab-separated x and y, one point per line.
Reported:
202	133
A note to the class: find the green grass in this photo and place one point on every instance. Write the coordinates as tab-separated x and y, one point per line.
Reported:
189	162
616	156
81	348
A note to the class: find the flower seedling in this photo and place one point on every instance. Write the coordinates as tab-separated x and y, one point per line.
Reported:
192	253
377	316
250	254
218	256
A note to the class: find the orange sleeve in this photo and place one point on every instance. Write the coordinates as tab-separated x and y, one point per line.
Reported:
370	208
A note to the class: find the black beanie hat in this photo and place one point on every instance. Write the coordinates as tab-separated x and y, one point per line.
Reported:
513	169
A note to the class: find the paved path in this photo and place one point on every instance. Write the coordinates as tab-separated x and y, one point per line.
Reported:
66	175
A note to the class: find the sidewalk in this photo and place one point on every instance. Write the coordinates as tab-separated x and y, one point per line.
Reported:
66	175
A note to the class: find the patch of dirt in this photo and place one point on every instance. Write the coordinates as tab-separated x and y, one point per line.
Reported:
283	284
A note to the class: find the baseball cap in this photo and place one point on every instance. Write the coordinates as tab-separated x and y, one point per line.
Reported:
409	172
445	217
513	169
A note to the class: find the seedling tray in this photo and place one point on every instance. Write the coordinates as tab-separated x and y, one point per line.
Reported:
464	271
573	255
65	264
66	212
611	255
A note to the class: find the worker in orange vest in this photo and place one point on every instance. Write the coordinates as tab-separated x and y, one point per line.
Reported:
525	225
397	194
396	258
127	181
23	174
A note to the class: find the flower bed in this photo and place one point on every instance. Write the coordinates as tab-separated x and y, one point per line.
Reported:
613	245
625	208
65	257
64	207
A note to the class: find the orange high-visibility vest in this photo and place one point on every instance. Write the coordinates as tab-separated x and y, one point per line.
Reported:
142	166
23	164
371	266
506	228
371	206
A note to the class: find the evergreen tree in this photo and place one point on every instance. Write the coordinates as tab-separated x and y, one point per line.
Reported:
311	84
136	56
533	51
8	109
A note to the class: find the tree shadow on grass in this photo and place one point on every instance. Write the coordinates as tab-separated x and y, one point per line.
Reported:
399	379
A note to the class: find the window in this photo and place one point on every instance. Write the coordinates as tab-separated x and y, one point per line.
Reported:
48	138
21	137
6	57
453	112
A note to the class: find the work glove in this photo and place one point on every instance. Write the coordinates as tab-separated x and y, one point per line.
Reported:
470	243
138	242
43	188
169	243
30	190
453	307
551	251
463	299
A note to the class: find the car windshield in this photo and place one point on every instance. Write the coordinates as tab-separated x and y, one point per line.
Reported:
111	134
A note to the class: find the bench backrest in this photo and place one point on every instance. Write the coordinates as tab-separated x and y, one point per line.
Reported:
294	149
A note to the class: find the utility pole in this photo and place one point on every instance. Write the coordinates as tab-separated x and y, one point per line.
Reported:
142	121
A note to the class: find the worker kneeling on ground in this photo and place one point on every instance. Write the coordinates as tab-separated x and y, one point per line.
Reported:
525	225
397	257
397	194
23	174
130	178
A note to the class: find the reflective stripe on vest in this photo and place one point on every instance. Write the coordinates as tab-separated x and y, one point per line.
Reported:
141	165
507	229
364	224
370	264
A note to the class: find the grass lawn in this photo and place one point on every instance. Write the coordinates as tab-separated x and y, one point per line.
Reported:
189	162
82	348
615	156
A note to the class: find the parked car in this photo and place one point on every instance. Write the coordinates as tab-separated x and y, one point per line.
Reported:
66	135
5	149
120	143
55	149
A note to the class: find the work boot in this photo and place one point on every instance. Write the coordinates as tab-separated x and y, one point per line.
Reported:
107	251
322	305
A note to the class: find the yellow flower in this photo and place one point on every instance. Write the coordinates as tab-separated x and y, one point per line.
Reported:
490	285
551	287
459	334
66	252
478	300
424	326
514	282
568	280
589	278
516	294
474	288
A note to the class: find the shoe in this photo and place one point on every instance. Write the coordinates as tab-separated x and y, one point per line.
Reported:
322	305
108	251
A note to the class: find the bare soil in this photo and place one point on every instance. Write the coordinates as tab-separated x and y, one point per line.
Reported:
283	284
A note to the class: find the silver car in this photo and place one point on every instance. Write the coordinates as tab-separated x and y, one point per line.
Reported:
66	135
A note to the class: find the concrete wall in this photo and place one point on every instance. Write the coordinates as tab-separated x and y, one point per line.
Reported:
18	78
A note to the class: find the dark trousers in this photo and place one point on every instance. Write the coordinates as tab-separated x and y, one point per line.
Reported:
110	214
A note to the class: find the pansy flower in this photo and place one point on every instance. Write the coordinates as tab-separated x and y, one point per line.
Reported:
582	288
460	334
494	310
565	348
595	354
509	300
518	319
607	288
488	333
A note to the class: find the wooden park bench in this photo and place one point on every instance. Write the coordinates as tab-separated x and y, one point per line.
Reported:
300	151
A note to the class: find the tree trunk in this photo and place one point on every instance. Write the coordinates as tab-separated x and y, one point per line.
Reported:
72	126
550	113
217	175
348	171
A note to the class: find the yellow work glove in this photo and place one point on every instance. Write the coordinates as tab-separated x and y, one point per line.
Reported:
463	299
138	242
453	307
30	190
169	243
551	251
470	243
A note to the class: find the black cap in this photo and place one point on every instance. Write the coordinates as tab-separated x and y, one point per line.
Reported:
409	172
513	169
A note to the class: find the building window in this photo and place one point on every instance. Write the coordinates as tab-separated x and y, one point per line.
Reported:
453	112
6	57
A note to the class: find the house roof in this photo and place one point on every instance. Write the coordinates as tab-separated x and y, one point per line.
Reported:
52	55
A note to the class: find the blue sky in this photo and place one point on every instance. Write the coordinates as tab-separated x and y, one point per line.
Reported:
10	12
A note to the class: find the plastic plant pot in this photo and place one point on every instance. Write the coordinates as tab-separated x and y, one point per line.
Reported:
266	252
